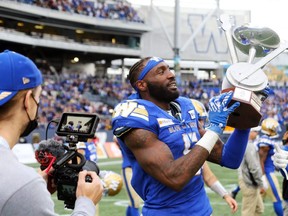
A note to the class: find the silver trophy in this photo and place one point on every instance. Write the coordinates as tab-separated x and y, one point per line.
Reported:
247	79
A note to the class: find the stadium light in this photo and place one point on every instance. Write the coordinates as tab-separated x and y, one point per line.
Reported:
79	31
20	24
75	60
39	27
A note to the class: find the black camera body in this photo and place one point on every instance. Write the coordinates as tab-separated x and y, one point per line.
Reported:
66	178
75	127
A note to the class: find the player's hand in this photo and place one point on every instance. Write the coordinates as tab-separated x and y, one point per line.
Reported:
93	190
231	202
219	112
265	92
262	191
47	175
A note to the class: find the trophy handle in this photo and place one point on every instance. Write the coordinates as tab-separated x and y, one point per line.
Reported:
226	25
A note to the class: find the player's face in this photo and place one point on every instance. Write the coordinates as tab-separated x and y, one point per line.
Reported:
161	83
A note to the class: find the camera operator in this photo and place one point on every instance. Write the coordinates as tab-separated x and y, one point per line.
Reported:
23	191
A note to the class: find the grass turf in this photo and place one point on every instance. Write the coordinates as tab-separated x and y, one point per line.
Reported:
116	205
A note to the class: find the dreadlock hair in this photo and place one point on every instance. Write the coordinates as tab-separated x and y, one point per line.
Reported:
135	70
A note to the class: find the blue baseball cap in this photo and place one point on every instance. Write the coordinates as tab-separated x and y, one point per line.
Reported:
17	73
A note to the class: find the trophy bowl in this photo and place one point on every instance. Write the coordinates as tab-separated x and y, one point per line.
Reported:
263	39
256	42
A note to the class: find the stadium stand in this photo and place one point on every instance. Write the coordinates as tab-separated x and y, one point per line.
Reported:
115	10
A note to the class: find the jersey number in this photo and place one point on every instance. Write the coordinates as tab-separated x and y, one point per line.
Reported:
188	139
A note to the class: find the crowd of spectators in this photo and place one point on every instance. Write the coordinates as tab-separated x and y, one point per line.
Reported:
71	95
68	95
116	10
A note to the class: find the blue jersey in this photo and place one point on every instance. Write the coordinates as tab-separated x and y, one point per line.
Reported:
90	150
180	134
125	160
268	141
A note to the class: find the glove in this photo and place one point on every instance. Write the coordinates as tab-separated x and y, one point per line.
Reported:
280	157
265	92
219	112
280	160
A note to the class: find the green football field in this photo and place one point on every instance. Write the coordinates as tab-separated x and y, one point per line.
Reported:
116	205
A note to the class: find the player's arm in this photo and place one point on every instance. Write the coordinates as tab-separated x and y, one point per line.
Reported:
215	154
157	160
211	181
215	185
208	176
231	154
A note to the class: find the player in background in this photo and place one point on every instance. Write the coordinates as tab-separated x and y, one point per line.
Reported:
89	149
111	181
215	185
270	129
134	198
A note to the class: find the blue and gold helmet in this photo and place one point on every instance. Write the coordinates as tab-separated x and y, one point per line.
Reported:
270	127
201	111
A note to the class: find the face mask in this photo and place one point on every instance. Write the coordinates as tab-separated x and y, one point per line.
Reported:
32	123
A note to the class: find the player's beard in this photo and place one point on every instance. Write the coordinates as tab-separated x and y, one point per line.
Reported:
162	93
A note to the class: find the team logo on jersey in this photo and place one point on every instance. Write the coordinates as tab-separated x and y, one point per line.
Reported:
141	113
192	114
164	122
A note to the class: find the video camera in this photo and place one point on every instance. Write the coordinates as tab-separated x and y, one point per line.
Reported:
66	161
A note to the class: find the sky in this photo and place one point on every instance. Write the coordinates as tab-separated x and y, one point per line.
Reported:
267	13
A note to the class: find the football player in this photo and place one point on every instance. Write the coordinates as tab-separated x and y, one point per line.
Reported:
270	129
134	198
160	133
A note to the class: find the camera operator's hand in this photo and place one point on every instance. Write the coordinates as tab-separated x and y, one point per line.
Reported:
48	177
93	190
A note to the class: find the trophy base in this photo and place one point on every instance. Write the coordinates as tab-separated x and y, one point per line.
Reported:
247	115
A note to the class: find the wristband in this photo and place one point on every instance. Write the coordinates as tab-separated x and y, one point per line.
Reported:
218	188
208	140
